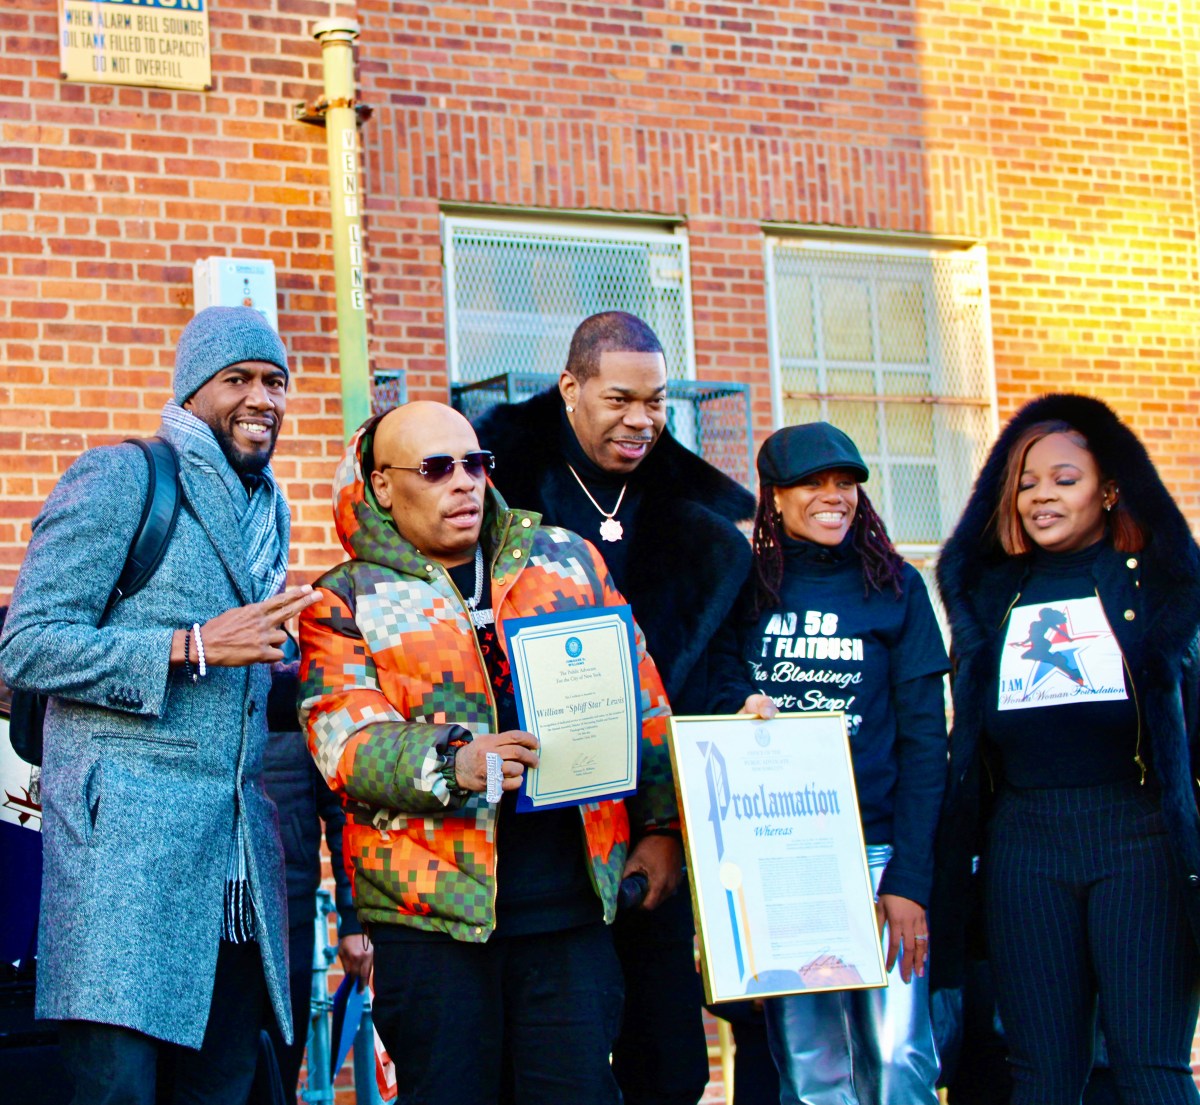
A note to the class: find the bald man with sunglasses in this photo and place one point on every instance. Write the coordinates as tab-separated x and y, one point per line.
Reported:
495	974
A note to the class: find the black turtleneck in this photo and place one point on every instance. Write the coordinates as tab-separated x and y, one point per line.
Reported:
1069	716
575	512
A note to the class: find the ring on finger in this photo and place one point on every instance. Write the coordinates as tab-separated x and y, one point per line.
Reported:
495	777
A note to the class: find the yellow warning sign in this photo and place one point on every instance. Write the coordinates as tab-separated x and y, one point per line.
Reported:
157	43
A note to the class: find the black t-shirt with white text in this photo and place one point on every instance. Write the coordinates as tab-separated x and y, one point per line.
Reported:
829	647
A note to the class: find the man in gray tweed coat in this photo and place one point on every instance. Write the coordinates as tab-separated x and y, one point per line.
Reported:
163	927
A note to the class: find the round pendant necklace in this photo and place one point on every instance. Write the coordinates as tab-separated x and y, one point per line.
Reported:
481	619
610	528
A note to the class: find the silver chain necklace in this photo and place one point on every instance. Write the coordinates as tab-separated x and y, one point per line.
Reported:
481	619
610	528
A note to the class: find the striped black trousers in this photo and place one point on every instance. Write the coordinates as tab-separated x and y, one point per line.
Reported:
1085	918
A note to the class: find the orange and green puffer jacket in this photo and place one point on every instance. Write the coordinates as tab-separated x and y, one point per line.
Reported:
391	667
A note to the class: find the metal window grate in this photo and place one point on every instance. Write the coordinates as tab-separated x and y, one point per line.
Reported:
893	346
711	419
516	291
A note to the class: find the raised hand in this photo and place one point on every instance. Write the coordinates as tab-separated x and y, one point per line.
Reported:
247	634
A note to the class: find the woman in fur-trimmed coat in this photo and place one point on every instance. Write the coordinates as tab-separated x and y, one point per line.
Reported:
1073	588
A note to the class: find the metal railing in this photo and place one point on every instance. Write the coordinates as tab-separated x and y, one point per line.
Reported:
318	1087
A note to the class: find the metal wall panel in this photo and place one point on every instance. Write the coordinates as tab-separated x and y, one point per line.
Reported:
516	291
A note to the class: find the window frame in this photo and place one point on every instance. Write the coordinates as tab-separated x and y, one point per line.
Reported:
863	243
578	226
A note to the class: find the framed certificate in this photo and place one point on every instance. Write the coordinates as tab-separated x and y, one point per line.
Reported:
776	861
577	691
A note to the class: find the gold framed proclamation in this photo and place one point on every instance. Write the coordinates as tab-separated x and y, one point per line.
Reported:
776	862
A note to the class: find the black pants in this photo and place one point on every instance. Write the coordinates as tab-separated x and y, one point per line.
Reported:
755	1079
661	1056
1085	915
527	1019
290	1057
112	1065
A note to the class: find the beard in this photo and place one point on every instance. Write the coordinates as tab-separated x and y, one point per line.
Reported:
246	465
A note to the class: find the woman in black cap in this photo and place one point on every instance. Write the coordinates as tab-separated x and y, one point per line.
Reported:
1073	588
834	619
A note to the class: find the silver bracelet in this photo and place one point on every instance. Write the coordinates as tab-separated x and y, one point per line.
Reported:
200	664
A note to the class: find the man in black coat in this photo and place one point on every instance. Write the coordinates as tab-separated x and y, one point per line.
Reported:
305	803
594	456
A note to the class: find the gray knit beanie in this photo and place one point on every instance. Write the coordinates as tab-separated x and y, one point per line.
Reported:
218	337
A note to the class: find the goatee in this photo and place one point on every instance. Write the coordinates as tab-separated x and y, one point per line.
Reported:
246	465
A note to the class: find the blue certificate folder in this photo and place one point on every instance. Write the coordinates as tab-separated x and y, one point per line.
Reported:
528	691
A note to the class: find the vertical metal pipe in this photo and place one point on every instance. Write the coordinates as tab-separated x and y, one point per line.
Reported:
336	37
318	1086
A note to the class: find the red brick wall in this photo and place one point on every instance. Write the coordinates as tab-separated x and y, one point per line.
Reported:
107	196
1081	118
1061	138
1061	135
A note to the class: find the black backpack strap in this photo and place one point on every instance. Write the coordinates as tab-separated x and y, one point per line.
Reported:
160	512
27	715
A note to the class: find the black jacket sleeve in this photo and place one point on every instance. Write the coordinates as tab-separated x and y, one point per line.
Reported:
922	752
329	809
729	675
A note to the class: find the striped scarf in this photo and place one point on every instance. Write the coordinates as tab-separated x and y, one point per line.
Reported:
260	513
237	918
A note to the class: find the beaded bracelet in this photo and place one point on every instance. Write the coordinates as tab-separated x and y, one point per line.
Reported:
187	660
199	650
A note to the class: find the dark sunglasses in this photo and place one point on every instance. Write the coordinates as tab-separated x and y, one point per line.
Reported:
438	467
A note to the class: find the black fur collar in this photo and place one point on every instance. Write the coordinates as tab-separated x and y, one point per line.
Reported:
1170	561
524	437
687	560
